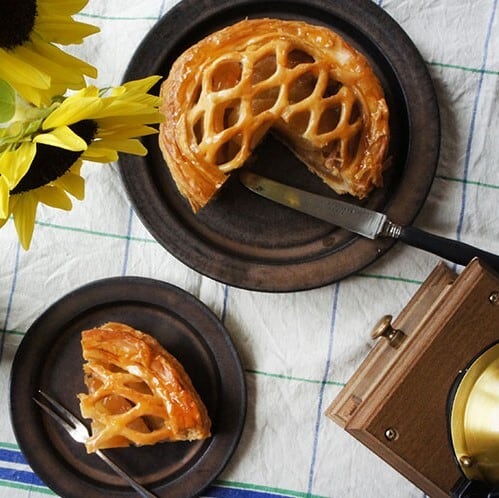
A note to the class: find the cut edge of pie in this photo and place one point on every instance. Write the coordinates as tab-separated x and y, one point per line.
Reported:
138	393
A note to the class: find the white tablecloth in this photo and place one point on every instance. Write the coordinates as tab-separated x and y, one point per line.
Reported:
297	349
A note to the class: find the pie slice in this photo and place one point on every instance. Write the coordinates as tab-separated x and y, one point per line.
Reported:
138	393
301	82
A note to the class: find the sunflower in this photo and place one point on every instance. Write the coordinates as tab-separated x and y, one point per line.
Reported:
29	59
40	160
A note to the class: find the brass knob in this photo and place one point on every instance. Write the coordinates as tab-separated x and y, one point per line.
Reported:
384	329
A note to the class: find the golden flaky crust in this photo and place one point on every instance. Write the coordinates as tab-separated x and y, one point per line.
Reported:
138	393
302	82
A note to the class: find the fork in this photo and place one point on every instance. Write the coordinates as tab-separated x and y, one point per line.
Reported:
78	431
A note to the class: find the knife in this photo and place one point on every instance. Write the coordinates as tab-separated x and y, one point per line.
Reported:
365	222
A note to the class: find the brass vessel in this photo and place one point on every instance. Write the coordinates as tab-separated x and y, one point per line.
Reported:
474	418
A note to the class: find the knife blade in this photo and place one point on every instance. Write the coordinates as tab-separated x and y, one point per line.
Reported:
365	222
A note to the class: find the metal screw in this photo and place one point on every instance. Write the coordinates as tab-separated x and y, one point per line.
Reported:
391	434
466	461
494	297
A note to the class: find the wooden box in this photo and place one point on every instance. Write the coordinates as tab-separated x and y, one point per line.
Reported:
396	402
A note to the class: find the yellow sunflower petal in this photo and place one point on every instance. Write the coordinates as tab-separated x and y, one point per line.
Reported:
116	122
72	110
51	65
148	100
115	107
144	99
143	85
98	154
68	63
63	30
28	93
62	137
24	212
15	164
4	198
130	146
68	7
39	71
126	131
16	71
54	196
73	184
89	91
37	68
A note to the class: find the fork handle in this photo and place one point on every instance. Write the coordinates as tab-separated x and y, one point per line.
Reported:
134	484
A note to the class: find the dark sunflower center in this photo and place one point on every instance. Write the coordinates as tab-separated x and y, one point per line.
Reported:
17	19
51	163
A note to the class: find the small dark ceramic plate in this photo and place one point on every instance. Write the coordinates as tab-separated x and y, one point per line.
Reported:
247	241
50	359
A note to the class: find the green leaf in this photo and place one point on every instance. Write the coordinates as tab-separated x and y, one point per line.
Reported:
7	101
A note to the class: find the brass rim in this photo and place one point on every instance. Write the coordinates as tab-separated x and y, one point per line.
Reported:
474	419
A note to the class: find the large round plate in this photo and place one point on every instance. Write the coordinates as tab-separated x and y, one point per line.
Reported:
250	242
50	358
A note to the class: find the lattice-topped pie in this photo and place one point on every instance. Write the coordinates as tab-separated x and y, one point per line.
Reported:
138	393
302	82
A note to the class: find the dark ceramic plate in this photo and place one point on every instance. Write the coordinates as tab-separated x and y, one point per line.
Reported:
49	358
247	241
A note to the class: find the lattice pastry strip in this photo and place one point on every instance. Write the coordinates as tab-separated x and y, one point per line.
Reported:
138	393
302	82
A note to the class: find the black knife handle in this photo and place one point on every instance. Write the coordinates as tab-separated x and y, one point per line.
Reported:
452	250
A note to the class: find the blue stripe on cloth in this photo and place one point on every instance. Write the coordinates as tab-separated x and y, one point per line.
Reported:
224	307
17	475
28	477
471	132
323	386
128	240
163	8
14	456
230	492
20	476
